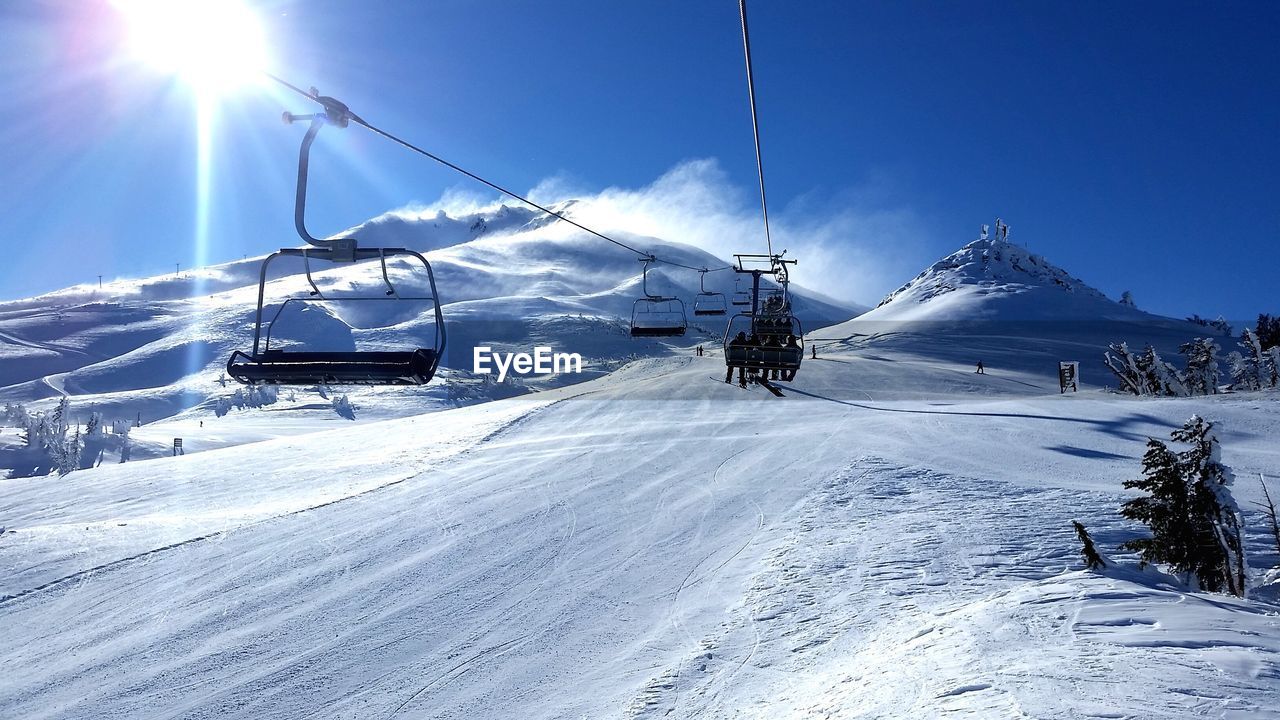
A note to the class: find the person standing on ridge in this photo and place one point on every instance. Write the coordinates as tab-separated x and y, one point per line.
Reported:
980	370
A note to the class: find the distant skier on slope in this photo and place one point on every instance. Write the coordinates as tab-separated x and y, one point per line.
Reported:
981	370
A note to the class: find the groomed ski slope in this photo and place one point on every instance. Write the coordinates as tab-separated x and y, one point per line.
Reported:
650	544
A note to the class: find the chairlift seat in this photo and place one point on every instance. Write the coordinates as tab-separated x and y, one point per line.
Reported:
709	303
754	357
657	331
656	316
284	367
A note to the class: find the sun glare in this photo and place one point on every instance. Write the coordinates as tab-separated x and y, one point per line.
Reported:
213	45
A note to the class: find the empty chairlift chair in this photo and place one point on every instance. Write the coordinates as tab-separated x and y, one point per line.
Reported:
291	366
741	298
657	315
706	302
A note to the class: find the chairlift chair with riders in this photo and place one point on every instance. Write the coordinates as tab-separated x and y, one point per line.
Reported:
707	302
769	337
289	366
656	315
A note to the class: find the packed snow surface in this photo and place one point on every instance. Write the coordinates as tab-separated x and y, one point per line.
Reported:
653	543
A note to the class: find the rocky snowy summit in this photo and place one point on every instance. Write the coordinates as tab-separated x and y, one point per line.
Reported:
994	279
991	263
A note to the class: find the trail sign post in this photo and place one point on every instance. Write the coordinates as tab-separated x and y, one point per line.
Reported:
177	447
1067	374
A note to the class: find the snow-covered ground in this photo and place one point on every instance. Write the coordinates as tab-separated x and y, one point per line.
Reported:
891	539
655	542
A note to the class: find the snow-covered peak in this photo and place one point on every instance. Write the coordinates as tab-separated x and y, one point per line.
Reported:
992	263
993	279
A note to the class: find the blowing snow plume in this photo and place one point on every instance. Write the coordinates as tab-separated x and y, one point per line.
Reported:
847	249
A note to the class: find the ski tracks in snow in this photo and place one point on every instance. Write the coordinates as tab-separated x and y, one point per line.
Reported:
862	564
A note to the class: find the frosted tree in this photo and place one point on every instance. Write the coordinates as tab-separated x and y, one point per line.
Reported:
1273	364
1202	366
1165	509
1242	376
1194	520
1268	331
68	457
1249	367
1221	325
1144	373
1165	378
1126	298
1213	504
57	425
1124	364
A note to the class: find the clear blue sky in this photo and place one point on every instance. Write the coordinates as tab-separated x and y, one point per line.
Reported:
1135	144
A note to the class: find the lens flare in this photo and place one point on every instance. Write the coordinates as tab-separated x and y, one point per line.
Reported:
213	45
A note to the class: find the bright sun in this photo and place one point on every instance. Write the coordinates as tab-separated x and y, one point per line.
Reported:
214	45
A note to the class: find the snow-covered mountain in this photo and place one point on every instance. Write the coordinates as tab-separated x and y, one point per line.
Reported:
995	279
995	302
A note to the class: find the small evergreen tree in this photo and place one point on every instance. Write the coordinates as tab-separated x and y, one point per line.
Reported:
1222	325
1165	509
1126	298
1268	331
1238	371
1250	368
1194	521
1202	366
1213	505
1092	559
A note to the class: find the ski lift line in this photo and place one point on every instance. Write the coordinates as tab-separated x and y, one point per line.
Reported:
755	122
342	114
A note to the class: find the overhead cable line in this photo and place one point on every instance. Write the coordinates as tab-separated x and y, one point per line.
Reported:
755	122
333	106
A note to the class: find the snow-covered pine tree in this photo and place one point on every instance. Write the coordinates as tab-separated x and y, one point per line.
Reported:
1164	378
57	425
1202	366
1220	566
75	449
1238	371
1222	325
1125	367
1273	364
1126	298
1194	521
1165	509
1249	368
1268	331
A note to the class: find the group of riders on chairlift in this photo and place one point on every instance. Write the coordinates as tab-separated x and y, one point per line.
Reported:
774	339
